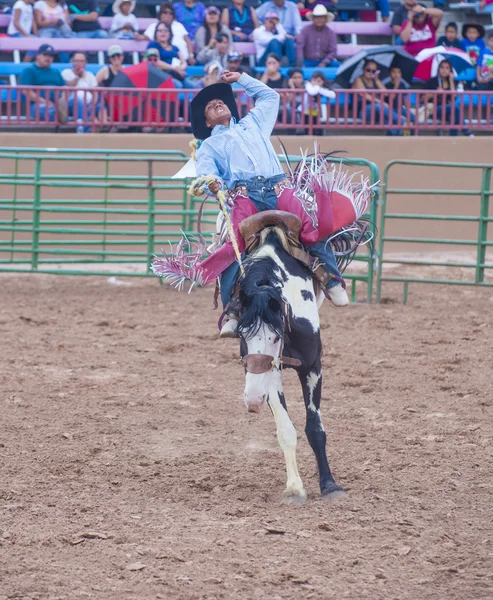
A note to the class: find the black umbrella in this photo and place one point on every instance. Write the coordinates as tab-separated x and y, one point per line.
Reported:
385	57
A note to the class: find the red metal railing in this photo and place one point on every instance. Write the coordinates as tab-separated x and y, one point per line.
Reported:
392	111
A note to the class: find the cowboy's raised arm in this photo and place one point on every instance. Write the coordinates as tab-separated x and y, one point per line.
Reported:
264	115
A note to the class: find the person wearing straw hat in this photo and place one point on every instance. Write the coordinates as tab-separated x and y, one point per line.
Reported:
316	45
240	154
124	25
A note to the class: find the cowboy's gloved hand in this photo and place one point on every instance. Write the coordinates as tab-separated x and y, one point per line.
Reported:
230	77
214	187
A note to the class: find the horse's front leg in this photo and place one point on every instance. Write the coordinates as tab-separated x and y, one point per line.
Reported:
311	382
286	434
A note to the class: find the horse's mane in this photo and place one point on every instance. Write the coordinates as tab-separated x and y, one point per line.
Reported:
261	297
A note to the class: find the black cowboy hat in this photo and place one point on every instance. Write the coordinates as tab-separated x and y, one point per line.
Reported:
216	91
477	26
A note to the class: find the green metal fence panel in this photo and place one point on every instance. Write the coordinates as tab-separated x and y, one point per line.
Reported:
94	223
482	218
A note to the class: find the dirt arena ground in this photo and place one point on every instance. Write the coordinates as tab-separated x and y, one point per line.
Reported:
130	470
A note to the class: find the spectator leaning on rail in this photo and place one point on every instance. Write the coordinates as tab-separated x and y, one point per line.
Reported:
271	38
41	73
419	31
84	15
316	45
79	103
484	66
23	24
241	20
180	35
210	28
190	14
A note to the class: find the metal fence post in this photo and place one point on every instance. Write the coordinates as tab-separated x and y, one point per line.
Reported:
151	199
36	214
483	224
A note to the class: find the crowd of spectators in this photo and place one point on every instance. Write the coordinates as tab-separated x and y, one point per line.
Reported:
189	33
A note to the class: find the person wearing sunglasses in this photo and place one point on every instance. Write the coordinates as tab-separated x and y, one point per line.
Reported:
105	76
369	80
180	35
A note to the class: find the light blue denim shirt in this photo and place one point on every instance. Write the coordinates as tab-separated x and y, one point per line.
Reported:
243	150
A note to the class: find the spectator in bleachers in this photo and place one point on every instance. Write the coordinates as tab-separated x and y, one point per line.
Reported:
316	91
308	6
272	75
398	18
41	73
234	63
369	80
444	81
52	18
484	6
419	30
190	14
151	56
210	28
170	58
85	23
484	66
395	82
213	72
271	38
450	39
316	45
79	103
22	23
106	74
216	50
288	13
472	40
241	20
124	25
180	34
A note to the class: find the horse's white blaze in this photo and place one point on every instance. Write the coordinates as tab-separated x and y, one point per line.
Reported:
312	381
292	290
286	435
257	386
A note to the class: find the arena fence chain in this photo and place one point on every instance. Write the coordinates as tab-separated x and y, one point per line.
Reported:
72	211
477	204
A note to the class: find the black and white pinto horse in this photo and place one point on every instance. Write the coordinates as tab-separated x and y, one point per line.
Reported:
279	320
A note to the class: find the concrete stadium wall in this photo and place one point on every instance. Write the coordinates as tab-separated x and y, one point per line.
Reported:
380	150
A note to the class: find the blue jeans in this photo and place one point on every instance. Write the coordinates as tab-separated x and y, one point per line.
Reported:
384	7
57	33
448	112
43	115
78	113
31	53
262	194
285	48
396	119
488	9
97	34
315	63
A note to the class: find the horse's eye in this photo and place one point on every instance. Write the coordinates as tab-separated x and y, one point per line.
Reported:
276	339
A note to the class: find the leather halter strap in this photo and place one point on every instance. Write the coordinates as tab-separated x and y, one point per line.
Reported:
263	363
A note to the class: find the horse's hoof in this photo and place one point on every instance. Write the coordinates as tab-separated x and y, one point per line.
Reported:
293	498
332	492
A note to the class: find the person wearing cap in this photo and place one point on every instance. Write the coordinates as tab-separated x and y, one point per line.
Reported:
105	76
151	55
190	14
180	35
288	13
85	23
240	154
213	72
241	20
217	50
41	73
270	38
234	63
124	25
316	45
210	28
419	30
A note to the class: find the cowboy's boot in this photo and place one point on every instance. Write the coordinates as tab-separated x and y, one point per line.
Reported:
230	326
338	295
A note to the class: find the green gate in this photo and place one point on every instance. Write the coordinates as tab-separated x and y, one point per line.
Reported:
69	211
479	244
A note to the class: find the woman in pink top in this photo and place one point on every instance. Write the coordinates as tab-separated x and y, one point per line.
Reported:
419	31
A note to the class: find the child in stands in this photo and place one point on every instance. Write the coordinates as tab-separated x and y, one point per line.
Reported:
124	25
472	40
22	23
316	91
484	66
450	39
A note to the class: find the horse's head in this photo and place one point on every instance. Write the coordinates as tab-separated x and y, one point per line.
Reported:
261	328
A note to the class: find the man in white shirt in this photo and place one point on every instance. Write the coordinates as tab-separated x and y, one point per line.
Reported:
80	103
270	38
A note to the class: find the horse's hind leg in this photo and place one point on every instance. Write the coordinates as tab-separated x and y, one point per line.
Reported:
286	434
311	382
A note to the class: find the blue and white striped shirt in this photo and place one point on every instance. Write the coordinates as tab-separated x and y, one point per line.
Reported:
243	150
